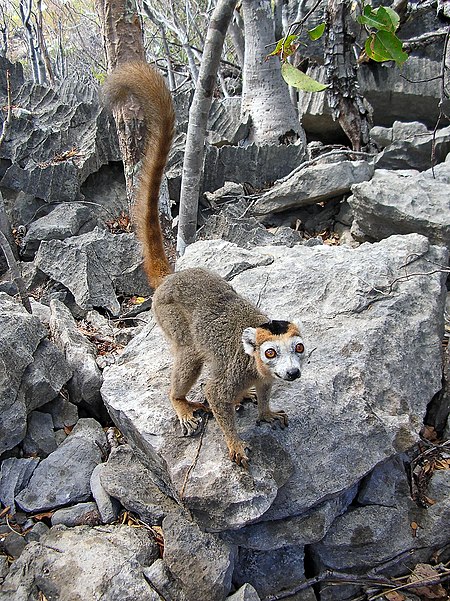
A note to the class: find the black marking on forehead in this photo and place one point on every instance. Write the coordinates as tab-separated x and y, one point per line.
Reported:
276	327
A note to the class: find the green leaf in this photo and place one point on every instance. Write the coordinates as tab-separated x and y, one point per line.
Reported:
381	19
317	32
284	46
385	46
300	80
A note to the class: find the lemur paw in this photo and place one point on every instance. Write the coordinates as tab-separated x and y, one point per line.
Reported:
190	424
273	417
237	453
189	421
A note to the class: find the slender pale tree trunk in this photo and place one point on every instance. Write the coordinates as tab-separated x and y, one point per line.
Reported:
265	95
198	117
347	105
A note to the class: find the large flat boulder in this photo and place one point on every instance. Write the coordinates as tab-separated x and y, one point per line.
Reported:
374	344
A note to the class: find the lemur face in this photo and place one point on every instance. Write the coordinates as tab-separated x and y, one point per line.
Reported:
277	348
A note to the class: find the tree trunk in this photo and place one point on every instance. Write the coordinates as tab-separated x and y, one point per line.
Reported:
123	41
198	117
346	103
265	95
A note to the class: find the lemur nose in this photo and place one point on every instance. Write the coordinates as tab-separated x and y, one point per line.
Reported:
293	374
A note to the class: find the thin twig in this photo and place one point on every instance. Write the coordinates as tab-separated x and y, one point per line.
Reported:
194	463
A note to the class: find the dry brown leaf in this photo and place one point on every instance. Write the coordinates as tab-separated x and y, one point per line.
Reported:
42	516
429	433
422	573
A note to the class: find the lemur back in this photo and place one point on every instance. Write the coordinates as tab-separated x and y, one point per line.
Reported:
204	319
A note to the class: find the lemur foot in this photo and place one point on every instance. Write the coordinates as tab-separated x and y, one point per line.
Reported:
273	417
190	423
237	453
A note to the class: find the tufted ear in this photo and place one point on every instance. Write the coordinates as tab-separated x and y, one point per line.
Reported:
249	340
299	325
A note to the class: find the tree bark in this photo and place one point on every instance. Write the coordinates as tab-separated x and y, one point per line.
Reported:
198	117
122	34
346	103
265	95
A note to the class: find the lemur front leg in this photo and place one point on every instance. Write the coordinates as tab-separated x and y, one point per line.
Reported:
222	403
265	413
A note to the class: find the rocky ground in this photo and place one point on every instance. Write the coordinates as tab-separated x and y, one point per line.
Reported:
101	497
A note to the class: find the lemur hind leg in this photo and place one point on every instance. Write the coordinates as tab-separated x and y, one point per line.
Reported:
222	406
186	369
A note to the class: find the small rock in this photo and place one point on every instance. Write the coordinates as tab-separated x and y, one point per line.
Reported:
311	185
160	578
65	220
63	477
125	478
36	531
200	561
40	438
14	476
84	387
62	412
78	515
13	544
44	378
108	507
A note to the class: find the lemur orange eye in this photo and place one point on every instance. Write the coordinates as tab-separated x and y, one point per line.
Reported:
299	348
270	353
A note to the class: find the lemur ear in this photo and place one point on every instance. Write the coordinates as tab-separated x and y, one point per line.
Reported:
299	324
249	340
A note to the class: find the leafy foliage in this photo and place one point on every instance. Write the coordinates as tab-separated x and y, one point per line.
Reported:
285	48
382	43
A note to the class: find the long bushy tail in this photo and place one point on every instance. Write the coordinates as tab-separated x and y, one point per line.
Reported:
148	87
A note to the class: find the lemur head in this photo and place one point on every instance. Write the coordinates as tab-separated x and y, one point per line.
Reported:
277	348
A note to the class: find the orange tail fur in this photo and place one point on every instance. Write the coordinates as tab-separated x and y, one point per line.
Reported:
148	87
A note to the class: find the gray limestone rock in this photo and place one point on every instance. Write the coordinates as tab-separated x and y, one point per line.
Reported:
40	438
270	571
95	267
63	412
385	484
239	164
163	582
14	476
63	477
62	137
366	387
414	147
200	561
125	478
80	354
84	563
36	531
66	220
108	507
245	593
45	376
78	515
20	337
403	203
312	184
